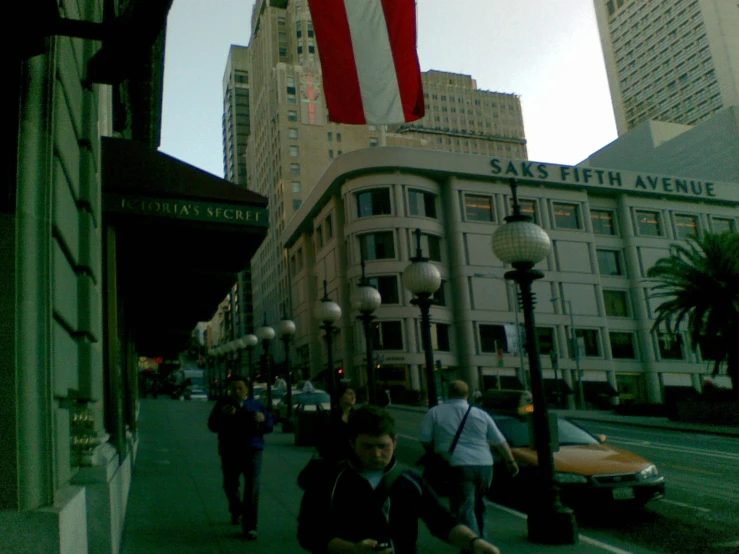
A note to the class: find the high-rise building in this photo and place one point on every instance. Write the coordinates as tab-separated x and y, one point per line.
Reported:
235	114
291	141
669	60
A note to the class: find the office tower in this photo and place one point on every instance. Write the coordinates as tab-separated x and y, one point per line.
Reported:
669	60
292	143
235	115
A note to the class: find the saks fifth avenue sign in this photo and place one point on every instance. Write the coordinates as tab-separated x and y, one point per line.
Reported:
251	216
602	178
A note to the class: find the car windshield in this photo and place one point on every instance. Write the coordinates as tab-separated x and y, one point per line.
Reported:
312	398
516	431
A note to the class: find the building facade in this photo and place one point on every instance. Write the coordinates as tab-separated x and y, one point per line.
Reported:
669	60
101	237
607	227
292	143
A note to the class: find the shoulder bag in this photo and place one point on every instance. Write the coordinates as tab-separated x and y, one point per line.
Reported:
436	469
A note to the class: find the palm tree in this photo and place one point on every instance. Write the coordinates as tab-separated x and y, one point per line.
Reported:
700	282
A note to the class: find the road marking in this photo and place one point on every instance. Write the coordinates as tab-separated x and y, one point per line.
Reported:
673	448
584	538
685	468
676	503
724	544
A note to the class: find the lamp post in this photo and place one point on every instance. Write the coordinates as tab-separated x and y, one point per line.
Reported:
249	342
522	243
287	330
327	312
423	279
266	334
367	300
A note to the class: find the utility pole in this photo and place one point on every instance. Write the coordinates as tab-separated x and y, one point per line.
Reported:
576	350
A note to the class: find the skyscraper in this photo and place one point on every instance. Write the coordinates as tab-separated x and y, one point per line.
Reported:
291	141
669	60
235	114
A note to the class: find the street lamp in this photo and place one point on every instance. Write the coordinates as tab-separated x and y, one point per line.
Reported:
266	334
522	243
287	330
327	312
367	300
249	342
423	279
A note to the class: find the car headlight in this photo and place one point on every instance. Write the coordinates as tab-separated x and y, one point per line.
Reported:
649	471
570	478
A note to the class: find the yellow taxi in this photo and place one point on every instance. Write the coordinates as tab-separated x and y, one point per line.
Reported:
587	470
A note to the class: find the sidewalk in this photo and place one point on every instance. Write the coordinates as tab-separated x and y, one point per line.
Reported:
176	504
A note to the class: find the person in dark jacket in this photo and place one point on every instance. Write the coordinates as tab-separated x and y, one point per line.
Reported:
370	503
241	423
333	444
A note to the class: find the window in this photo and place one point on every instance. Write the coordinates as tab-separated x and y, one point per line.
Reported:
329	226
478	208
377	246
603	222
648	224
330	136
299	259
439	296
319	236
331	153
373	142
685	226
609	262
528	207
295	169
373	202
430	246
296	186
587	340
422	203
721	225
387	286
387	335
566	216
616	303
622	345
440	337
338	137
292	133
670	346
545	335
296	204
294	151
492	338
292	115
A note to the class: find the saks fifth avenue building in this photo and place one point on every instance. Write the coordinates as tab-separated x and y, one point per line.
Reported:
608	227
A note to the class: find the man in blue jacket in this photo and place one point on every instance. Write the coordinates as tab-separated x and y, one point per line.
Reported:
241	424
371	504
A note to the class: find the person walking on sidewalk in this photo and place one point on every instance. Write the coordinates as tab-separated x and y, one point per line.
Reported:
471	460
372	504
241	424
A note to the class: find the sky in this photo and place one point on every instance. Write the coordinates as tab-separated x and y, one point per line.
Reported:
548	53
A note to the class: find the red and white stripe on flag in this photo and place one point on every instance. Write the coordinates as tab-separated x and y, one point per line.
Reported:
369	63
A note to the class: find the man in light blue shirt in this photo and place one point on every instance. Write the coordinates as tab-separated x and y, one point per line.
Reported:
472	460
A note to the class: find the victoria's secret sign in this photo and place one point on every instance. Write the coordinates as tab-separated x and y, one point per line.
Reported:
186	209
602	177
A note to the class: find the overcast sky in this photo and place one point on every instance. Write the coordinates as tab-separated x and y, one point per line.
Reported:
546	52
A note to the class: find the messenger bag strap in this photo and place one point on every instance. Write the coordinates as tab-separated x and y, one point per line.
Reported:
459	432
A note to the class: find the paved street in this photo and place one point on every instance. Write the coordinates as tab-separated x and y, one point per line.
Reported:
701	510
176	505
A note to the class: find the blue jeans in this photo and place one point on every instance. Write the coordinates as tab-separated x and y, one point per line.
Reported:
470	486
250	466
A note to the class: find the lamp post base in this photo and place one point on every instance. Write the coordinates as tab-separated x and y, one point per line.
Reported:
552	525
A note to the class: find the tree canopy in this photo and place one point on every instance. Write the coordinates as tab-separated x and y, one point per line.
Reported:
699	284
